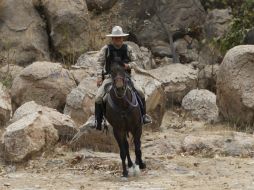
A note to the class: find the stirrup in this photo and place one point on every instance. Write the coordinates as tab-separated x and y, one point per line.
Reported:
95	126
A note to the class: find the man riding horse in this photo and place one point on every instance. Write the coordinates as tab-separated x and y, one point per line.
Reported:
116	52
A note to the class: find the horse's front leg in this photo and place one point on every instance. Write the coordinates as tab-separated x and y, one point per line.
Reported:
120	138
130	164
138	152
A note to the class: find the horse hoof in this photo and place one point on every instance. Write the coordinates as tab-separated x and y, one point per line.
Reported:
136	170
142	166
131	171
125	174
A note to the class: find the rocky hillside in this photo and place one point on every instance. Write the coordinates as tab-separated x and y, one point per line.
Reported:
44	30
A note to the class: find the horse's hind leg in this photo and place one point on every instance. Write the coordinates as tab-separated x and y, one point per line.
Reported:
123	153
138	152
130	164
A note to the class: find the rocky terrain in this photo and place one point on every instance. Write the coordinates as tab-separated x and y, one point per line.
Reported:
184	154
201	100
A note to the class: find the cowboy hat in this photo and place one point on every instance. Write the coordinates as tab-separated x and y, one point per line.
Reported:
117	31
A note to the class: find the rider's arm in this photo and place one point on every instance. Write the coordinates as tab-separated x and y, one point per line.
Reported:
101	62
133	57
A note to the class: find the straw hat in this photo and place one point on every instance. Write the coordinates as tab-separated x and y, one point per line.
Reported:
117	31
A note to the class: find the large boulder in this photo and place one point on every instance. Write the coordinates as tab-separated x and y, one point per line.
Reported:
27	137
86	66
177	80
79	73
23	36
155	98
88	62
88	137
46	83
5	105
217	23
174	14
80	101
201	104
235	85
227	143
69	27
64	125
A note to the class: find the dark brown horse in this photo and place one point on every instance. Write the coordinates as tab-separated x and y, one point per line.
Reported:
123	112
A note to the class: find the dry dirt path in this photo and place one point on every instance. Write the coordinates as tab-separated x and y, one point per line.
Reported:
167	167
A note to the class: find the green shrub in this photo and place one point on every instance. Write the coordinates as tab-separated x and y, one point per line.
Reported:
243	21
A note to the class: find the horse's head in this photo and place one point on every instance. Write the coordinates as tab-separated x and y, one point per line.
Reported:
119	79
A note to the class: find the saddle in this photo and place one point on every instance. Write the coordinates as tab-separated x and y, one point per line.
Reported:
108	87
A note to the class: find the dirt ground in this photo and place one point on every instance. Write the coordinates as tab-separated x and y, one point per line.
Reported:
167	166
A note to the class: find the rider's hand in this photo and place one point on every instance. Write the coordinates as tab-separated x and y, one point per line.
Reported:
99	82
126	66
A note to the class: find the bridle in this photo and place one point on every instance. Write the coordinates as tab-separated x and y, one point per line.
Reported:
124	86
131	103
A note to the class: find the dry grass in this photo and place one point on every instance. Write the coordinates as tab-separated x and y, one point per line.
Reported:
6	77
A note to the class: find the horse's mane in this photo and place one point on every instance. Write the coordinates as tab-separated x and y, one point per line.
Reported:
117	69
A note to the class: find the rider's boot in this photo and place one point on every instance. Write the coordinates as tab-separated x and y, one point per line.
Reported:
146	118
98	115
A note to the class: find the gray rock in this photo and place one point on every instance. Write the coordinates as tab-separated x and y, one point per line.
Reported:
161	49
46	83
69	25
235	85
80	101
63	123
91	138
202	105
79	73
177	80
155	98
217	23
88	61
23	36
227	143
162	62
27	137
